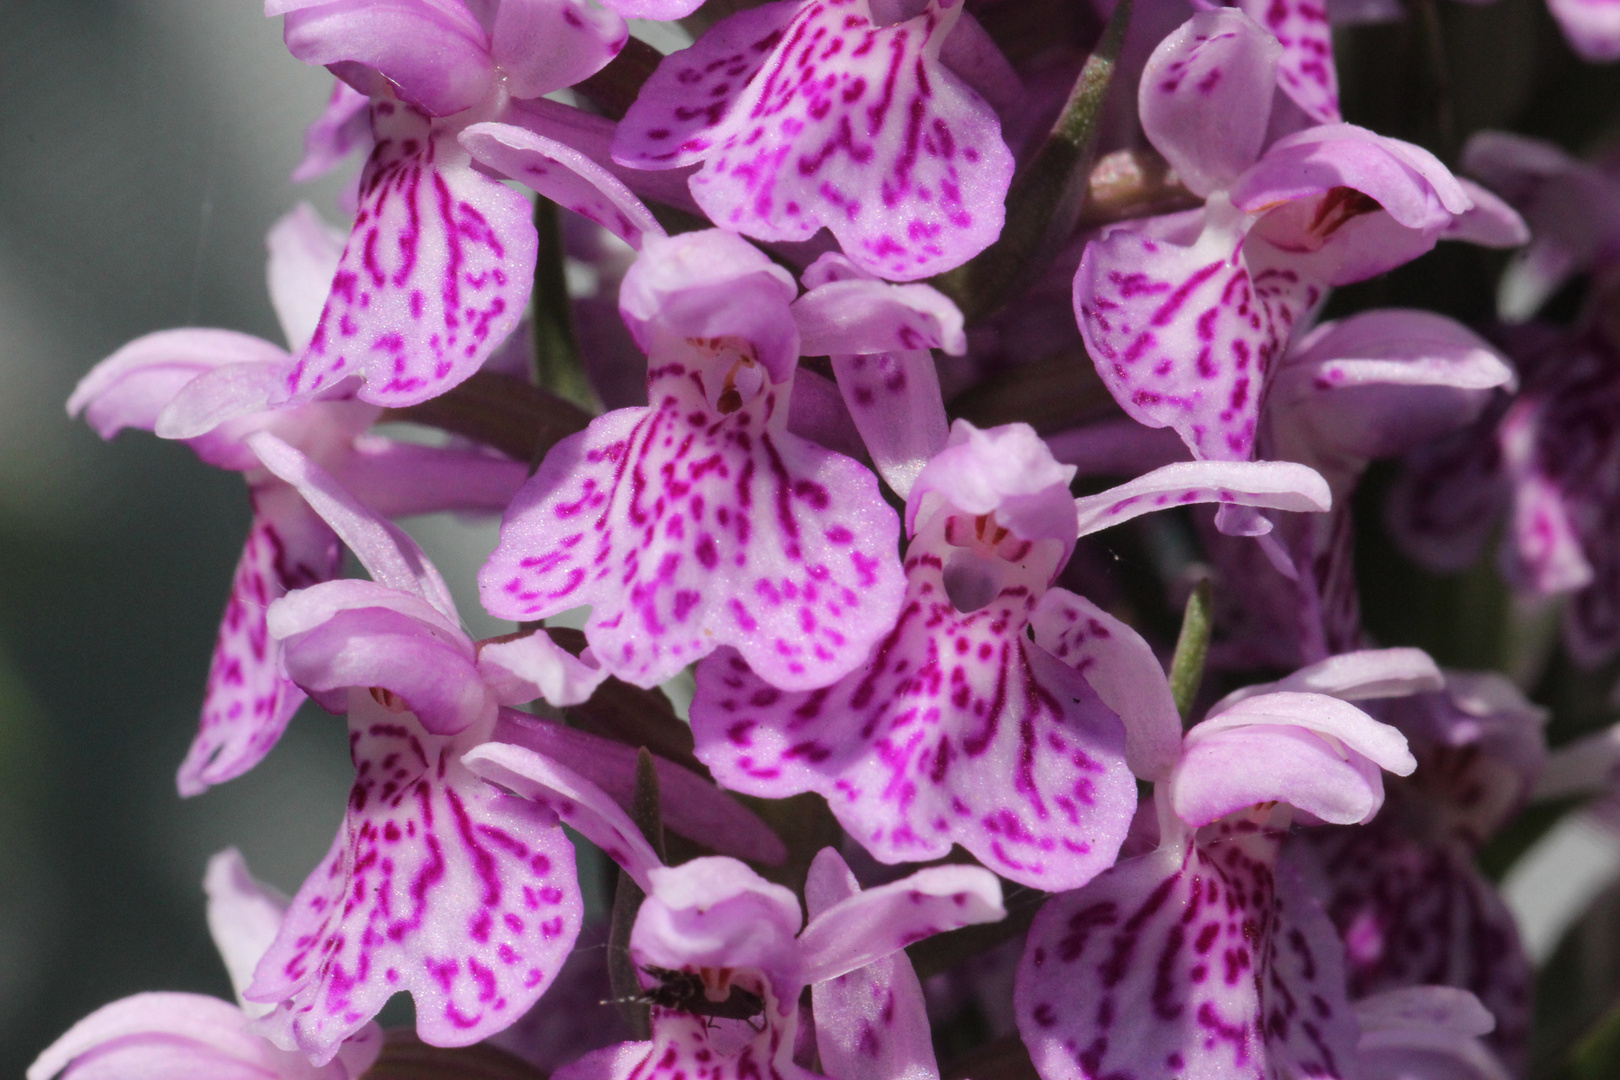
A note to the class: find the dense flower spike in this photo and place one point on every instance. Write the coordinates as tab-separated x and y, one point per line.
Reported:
1186	316
193	1035
958	728
185	384
700	521
836	551
812	115
1208	957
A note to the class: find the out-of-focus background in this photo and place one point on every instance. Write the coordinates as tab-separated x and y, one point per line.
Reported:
144	149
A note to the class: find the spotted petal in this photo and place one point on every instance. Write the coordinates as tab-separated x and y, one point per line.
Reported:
872	1023
437	884
1205	96
249	698
845	125
1281	485
955	730
1191	961
1305	70
1354	676
1184	337
435	275
685	531
1121	667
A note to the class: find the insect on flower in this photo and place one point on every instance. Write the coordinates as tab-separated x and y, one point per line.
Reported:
688	992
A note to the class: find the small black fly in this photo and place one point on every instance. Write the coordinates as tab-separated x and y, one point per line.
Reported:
684	991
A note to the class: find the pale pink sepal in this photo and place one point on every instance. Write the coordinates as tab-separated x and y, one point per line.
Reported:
1426	1031
1364	675
1592	27
391	557
1005	470
716	912
343	127
244	917
882	920
1491	222
1188	962
1121	667
564	175
187	1037
1380	743
872	1023
1264	763
849	311
303	256
898	408
1205	96
533	666
436	273
215	397
1278	485
1313	752
436	884
376	647
544	45
710	284
434	51
570	798
132	387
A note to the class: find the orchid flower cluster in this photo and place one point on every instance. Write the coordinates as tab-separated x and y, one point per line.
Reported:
934	767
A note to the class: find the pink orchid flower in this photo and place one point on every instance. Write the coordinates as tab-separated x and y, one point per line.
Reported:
716	926
958	728
192	385
811	114
1186	316
700	520
1209	957
435	884
1404	891
438	268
